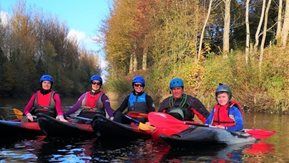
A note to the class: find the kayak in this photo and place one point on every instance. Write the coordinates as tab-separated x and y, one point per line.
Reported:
108	129
19	129
55	128
200	135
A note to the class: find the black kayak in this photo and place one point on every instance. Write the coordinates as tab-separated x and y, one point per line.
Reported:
108	129
198	135
19	129
55	128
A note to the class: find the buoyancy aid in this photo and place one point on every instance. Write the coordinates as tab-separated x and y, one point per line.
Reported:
221	114
180	108
137	103
92	103
44	103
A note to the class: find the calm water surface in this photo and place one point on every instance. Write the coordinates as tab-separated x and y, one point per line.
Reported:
42	149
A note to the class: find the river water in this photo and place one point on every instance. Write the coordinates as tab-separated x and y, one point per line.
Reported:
42	149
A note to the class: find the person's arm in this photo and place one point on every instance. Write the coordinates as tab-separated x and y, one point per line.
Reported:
29	105
76	106
150	104
58	104
199	109
107	106
58	107
164	105
209	120
123	106
237	115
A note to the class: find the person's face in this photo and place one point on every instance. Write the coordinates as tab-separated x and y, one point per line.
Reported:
138	87
223	98
46	85
177	92
95	85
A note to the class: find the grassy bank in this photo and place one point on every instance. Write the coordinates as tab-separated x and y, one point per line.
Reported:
264	91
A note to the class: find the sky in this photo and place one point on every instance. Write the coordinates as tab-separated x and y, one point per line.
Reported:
82	17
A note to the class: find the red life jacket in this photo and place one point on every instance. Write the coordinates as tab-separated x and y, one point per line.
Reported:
44	103
91	101
221	114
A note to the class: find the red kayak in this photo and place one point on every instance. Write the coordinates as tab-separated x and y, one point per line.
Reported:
19	129
167	125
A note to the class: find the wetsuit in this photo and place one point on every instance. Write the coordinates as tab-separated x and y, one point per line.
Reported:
184	108
78	106
228	116
141	102
29	108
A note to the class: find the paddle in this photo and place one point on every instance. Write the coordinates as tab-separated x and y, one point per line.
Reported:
141	126
18	113
137	114
163	120
81	118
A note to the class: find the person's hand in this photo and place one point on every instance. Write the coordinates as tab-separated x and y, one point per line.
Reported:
148	123
61	118
29	117
219	126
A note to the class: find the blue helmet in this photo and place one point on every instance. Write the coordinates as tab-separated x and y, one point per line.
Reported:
96	77
46	77
138	79
176	82
224	88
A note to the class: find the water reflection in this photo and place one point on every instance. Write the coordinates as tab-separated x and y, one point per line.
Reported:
231	153
42	149
92	150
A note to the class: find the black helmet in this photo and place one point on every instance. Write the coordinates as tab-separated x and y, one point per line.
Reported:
224	88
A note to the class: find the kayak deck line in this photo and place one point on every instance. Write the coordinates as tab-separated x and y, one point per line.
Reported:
108	129
55	128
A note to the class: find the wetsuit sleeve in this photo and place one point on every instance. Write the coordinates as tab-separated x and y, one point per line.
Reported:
29	105
58	104
237	115
209	119
107	106
123	105
199	109
76	106
150	104
164	105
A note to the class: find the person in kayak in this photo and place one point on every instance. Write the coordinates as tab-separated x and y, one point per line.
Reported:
226	113
92	102
137	101
181	105
45	101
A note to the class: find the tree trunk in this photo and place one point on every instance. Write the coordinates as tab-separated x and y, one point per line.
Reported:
134	58
145	54
203	30
279	22
285	27
264	36
247	50
226	34
259	26
130	63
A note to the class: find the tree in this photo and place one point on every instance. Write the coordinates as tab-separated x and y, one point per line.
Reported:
257	34
247	50
285	27
203	30
279	21
264	35
227	23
